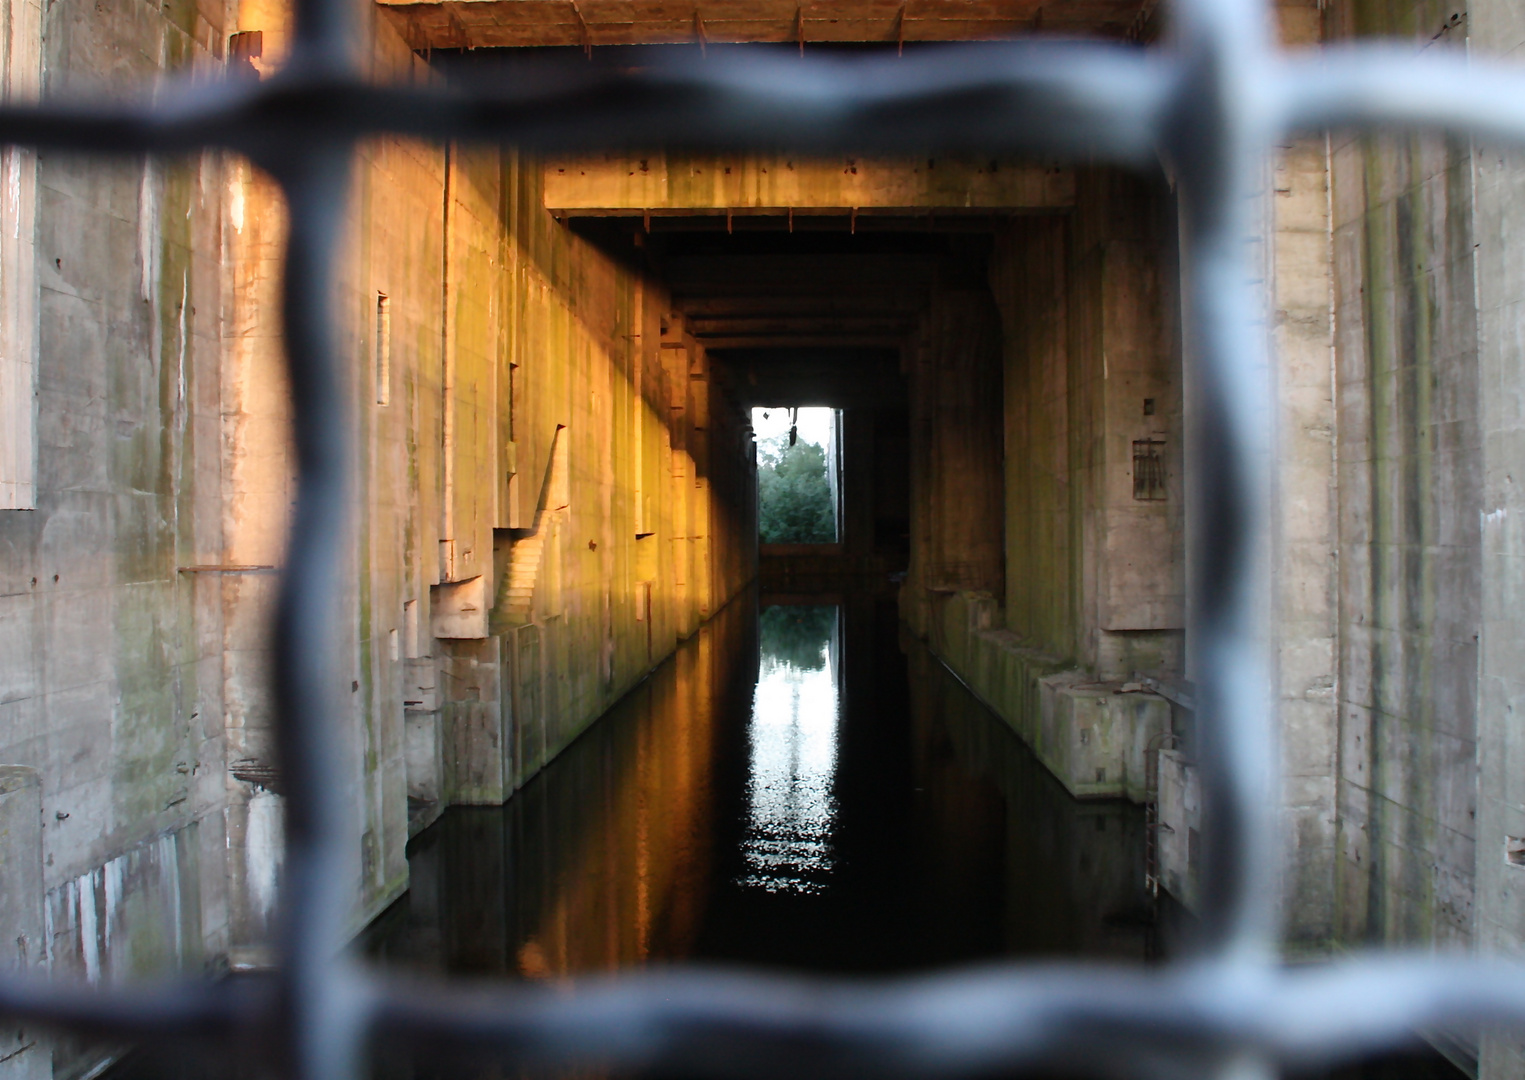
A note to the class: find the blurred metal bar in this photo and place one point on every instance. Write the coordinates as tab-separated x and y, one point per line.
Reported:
1381	86
1064	100
1217	140
1089	1018
319	996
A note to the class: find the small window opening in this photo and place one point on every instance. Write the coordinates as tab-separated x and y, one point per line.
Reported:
798	474
513	402
1514	850
410	642
1149	469
383	349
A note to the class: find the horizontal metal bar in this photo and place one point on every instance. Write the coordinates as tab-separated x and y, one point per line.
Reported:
1375	86
1093	101
187	1009
744	1025
977	1021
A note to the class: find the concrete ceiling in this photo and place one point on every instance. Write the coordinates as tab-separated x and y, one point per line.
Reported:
842	377
476	24
802	301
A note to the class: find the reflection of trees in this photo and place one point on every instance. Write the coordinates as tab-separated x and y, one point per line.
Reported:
797	634
793	494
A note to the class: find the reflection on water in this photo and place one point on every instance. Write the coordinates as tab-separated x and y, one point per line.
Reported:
797	787
792	739
605	859
829	799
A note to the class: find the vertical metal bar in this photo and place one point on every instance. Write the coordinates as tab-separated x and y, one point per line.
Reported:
325	38
1218	143
320	996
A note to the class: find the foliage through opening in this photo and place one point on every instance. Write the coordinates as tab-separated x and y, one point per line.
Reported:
796	484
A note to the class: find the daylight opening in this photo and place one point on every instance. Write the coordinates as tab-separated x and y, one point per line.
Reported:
798	474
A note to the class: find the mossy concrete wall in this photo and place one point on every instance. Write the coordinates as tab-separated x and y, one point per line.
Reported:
135	600
1497	30
551	495
112	682
1411	583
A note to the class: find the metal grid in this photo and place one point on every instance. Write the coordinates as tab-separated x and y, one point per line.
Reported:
1212	104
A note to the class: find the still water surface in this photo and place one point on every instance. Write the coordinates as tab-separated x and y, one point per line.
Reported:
796	787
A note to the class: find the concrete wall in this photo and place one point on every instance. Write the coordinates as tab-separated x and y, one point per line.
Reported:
579	875
134	599
1411	581
1094	570
1298	264
1044	571
1089	567
551	495
111	666
1496	29
955	389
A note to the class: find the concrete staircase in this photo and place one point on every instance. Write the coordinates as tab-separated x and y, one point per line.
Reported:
517	590
514	603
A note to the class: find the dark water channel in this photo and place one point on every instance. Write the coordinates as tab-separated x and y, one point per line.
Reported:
799	789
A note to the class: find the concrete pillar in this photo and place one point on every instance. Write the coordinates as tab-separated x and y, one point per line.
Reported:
1414	587
961	392
1124	428
24	1053
1304	548
1498	220
478	760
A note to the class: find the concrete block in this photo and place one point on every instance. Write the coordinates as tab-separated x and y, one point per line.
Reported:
1180	824
425	755
1093	736
459	608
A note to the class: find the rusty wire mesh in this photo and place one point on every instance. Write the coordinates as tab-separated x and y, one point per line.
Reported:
1212	104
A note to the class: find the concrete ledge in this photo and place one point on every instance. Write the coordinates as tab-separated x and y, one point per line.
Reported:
1091	735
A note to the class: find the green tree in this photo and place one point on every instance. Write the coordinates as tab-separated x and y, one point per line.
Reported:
793	495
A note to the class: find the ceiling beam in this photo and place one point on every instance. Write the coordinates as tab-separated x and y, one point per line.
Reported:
786	275
863	305
804	341
802	326
776	185
475	24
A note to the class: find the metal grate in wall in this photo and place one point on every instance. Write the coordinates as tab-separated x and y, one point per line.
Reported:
1211	104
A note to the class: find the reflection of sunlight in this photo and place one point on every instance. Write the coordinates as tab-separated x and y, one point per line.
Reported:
793	735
